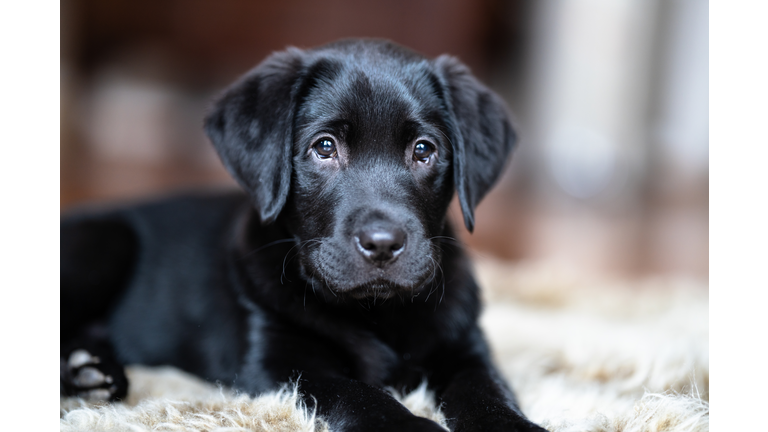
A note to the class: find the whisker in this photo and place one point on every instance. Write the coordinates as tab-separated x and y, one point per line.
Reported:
375	295
432	280
443	294
446	138
276	242
445	238
329	289
301	246
445	241
442	282
286	257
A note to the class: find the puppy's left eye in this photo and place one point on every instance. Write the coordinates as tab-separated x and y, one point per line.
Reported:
422	151
325	148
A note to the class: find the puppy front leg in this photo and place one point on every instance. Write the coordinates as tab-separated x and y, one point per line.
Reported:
350	405
477	400
474	396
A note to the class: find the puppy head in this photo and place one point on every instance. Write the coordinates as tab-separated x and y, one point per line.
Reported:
357	147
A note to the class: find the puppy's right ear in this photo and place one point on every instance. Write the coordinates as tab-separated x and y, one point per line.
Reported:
251	126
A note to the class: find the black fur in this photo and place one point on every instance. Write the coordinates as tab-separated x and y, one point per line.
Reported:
339	272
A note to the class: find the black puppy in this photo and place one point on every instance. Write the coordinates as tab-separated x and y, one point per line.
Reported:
338	269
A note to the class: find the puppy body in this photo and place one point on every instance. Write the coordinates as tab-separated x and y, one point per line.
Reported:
337	268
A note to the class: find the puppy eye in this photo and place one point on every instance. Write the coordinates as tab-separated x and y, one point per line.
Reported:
422	151
325	148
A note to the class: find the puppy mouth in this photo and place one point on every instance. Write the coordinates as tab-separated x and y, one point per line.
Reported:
378	289
343	273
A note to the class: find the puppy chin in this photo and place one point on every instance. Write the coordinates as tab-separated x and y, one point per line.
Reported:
374	291
382	290
379	287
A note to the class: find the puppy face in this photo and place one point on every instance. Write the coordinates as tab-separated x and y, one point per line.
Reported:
372	178
357	148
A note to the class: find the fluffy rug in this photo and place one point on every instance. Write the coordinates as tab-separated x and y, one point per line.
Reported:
582	355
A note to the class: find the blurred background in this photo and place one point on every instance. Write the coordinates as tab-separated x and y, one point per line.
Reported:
610	99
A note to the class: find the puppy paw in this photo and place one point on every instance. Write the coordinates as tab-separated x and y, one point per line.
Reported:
91	377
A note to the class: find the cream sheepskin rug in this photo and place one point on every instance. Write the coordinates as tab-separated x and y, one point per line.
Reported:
582	355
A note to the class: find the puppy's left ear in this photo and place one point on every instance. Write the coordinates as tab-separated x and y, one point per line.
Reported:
481	133
251	126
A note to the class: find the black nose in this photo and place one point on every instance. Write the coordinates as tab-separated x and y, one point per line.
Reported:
380	244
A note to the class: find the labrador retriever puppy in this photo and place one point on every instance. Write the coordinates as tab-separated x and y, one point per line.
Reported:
336	269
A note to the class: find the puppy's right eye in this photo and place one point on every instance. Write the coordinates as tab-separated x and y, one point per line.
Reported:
325	148
422	151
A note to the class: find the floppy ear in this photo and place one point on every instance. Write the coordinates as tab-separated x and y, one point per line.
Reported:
481	133
251	126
